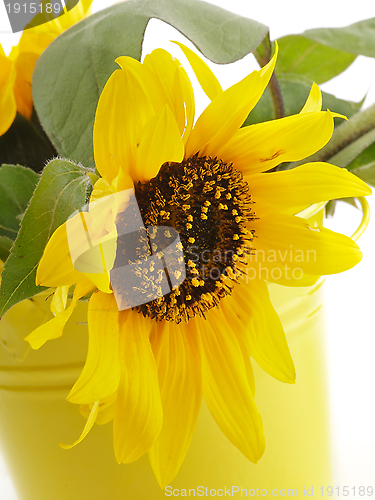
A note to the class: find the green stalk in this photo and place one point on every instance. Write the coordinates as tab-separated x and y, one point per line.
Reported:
263	55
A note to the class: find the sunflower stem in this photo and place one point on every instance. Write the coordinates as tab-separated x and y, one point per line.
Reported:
360	127
263	55
277	97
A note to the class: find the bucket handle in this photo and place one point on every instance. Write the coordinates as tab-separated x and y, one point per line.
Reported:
317	207
365	218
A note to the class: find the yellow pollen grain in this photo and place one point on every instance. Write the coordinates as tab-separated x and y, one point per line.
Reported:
186	207
190	218
228	196
235	257
195	282
188	297
188	226
234	212
217	195
236	237
208	298
207	203
238	219
230	272
201	283
204	217
191	263
191	240
204	210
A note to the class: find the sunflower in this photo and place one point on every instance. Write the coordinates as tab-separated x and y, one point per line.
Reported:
17	68
148	366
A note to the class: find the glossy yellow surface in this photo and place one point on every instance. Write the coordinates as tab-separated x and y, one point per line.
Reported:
35	417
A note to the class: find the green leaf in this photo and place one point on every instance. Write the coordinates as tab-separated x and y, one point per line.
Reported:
5	246
71	73
62	189
302	56
17	185
366	173
26	143
358	38
295	90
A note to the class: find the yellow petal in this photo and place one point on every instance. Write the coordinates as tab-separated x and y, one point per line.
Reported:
101	374
187	93
224	115
55	267
102	281
101	188
262	146
59	24
92	239
180	384
59	299
106	409
86	4
205	76
169	85
33	41
314	101
279	273
303	186
293	242
123	109
8	107
226	388
250	312
89	423
24	66
54	327
159	142
138	413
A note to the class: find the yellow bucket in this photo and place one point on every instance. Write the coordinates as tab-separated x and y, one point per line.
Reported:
35	418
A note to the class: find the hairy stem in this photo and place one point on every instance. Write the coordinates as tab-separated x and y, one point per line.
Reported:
263	56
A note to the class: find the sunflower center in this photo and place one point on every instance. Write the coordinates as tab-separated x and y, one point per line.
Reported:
207	202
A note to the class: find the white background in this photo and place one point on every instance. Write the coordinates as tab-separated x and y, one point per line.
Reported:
349	296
